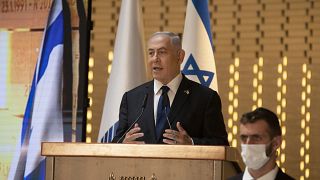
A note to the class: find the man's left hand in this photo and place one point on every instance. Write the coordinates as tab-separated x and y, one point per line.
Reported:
177	137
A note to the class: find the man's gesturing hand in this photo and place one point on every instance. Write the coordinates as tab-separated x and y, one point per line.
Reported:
177	137
132	135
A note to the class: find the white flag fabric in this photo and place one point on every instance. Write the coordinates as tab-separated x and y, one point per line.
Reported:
128	66
199	64
42	120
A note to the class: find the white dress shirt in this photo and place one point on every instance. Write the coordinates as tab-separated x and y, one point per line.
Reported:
173	85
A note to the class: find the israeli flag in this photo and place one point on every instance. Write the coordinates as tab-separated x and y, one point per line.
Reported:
128	66
199	64
42	120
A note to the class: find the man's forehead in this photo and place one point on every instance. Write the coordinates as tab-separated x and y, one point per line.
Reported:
159	39
157	36
257	128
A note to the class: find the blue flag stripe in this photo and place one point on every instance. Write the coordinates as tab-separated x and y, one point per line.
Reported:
39	173
28	112
202	9
53	37
108	136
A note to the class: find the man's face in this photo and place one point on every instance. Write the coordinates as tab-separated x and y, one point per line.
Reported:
255	133
163	58
259	133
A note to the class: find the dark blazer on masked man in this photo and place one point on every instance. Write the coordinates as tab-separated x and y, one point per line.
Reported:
280	176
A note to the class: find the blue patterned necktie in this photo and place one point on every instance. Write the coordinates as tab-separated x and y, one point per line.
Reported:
162	111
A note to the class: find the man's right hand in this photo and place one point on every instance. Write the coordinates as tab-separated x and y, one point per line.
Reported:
132	135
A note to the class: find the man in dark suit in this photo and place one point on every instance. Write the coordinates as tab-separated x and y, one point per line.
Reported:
260	136
193	114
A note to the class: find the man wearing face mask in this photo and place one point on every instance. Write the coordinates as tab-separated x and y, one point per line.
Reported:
260	136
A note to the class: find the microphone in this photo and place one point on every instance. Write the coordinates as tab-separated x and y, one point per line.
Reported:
165	109
144	104
165	104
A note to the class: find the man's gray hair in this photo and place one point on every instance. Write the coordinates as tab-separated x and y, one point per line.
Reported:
175	39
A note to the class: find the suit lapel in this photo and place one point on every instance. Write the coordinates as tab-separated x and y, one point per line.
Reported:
180	99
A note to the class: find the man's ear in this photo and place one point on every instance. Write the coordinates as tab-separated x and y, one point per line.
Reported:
181	54
276	142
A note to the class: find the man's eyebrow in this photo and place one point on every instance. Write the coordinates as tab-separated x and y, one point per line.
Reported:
256	136
153	49
243	136
162	48
247	135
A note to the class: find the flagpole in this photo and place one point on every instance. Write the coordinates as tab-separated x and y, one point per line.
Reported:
75	87
85	27
69	64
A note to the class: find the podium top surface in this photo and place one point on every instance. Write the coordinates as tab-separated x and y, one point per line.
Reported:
140	151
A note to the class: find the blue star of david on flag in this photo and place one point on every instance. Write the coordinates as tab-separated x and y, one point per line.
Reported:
191	68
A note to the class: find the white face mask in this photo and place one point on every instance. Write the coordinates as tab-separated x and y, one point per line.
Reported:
254	155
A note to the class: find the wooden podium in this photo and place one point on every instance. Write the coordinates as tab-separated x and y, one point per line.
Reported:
83	161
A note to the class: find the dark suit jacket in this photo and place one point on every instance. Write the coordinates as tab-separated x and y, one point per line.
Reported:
197	107
280	176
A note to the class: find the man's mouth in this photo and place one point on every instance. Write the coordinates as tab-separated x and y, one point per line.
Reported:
156	68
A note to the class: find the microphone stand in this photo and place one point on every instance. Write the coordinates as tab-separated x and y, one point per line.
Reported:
144	103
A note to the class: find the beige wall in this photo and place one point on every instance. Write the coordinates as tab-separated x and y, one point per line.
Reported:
284	35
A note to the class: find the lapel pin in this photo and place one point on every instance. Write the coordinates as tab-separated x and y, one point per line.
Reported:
186	91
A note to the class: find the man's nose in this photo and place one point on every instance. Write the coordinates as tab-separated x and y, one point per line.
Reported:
156	57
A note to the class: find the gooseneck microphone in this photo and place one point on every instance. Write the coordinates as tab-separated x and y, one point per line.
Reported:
143	107
165	108
165	104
